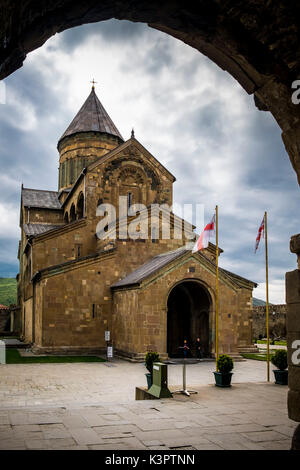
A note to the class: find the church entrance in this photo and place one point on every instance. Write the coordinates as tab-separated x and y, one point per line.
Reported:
188	317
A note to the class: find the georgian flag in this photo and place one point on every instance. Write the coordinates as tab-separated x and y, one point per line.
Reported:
261	232
203	240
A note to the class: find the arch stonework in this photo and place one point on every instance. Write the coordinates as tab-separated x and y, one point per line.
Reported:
255	41
243	38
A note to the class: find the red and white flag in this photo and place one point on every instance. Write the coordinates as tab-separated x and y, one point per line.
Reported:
203	240
261	232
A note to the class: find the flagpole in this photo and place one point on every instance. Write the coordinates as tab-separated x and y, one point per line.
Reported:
217	291
267	299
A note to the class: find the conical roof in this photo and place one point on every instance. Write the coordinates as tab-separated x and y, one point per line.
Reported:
92	117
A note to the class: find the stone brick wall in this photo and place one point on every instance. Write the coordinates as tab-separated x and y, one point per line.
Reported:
74	317
80	150
277	321
140	313
293	332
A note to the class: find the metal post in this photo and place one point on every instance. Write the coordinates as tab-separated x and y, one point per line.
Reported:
267	299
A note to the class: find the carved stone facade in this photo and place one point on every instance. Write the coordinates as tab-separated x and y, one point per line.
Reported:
80	275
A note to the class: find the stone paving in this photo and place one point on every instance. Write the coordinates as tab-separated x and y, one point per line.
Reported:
92	406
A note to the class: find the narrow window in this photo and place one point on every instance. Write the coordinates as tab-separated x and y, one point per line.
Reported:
93	311
78	250
129	200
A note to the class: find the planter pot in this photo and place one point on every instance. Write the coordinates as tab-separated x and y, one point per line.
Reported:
223	380
149	379
281	376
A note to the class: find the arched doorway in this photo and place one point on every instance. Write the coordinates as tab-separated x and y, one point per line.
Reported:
188	317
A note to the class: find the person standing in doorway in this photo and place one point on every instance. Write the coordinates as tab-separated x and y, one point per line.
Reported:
198	349
185	349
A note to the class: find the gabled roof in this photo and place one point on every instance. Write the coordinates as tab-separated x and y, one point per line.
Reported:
112	154
92	117
131	142
152	266
149	268
40	198
37	229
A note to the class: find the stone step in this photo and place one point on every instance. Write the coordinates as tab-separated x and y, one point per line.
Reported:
15	343
249	349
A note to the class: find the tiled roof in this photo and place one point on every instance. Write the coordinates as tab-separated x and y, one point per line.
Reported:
37	229
158	262
150	267
237	278
40	198
3	307
92	117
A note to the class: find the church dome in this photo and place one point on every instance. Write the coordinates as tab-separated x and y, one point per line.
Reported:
92	117
90	136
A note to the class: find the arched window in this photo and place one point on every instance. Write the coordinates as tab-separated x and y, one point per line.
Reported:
72	213
66	218
80	206
129	200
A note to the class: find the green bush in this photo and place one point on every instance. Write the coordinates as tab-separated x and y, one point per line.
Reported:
225	364
151	357
279	359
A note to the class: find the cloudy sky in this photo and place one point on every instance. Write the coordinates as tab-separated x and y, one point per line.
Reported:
191	115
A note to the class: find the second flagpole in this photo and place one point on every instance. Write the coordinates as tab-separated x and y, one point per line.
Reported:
217	290
267	299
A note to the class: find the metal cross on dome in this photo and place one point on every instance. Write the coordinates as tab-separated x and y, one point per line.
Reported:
93	82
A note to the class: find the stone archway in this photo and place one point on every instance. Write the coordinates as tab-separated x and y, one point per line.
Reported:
256	42
188	317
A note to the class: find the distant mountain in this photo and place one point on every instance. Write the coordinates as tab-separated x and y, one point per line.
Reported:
258	302
8	290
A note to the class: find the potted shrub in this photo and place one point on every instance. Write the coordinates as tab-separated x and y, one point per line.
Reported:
150	358
224	374
279	359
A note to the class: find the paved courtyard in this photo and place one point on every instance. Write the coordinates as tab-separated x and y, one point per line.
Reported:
92	406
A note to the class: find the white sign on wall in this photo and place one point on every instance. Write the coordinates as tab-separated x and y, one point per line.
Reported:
107	336
110	351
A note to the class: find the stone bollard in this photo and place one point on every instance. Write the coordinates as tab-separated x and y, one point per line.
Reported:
2	352
293	339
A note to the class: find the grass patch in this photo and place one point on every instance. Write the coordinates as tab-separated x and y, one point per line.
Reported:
13	357
257	357
277	343
8	290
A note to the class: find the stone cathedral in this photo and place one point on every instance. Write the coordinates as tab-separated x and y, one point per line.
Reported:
150	291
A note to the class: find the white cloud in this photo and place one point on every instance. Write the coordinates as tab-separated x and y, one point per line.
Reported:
9	217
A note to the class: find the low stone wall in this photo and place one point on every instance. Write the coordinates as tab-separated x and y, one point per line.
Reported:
277	321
